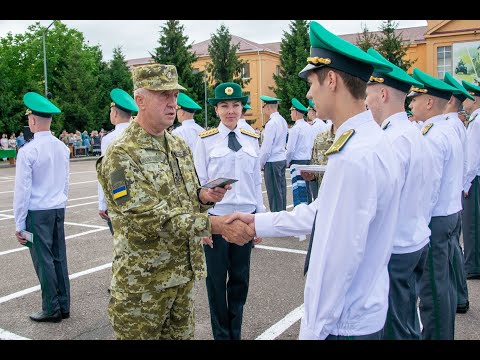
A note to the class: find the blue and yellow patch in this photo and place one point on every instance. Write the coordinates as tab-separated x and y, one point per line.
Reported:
119	192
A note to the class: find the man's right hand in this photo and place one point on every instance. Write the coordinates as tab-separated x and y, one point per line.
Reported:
104	214
236	231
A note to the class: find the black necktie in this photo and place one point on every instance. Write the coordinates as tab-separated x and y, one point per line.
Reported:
307	259
233	142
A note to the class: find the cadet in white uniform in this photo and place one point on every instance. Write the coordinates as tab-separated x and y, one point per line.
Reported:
121	110
318	125
189	129
242	123
39	200
471	186
272	155
386	94
459	284
437	305
231	152
346	290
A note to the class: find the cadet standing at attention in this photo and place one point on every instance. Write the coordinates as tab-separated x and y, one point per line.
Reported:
437	305
39	201
272	155
344	299
229	151
242	123
459	284
386	94
189	129
121	110
471	186
158	212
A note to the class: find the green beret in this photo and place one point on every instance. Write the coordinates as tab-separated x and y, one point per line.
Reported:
297	105
461	93
122	100
39	105
247	107
269	99
330	50
431	86
156	77
311	105
471	88
397	78
228	91
186	103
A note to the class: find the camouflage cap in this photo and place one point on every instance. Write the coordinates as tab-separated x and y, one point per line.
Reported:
156	77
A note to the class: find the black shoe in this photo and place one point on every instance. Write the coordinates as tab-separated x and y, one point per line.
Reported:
42	316
462	309
473	276
65	315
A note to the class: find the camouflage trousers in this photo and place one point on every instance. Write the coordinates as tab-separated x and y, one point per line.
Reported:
168	314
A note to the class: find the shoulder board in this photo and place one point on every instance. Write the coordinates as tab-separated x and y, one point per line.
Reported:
340	143
209	132
249	133
386	125
426	129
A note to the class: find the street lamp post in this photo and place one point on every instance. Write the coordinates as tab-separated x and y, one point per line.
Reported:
45	58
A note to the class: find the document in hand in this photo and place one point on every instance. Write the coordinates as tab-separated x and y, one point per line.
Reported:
29	237
311	168
220	182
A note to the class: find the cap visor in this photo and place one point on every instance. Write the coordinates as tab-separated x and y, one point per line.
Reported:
304	73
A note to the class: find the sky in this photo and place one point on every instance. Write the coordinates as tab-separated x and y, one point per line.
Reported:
139	37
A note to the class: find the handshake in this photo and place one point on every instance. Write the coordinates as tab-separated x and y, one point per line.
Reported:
236	228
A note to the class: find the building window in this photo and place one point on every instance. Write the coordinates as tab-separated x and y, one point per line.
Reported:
247	93
444	61
246	71
277	70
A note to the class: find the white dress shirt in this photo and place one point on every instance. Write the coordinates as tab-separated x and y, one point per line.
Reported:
300	142
214	159
318	126
454	121
242	124
274	140
473	141
189	131
412	232
107	140
447	167
346	290
41	177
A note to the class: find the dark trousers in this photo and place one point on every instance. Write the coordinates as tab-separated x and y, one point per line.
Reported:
375	336
228	275
459	283
276	185
49	258
436	308
471	228
405	272
307	183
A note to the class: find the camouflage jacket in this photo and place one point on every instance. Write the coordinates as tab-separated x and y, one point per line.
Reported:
322	143
156	215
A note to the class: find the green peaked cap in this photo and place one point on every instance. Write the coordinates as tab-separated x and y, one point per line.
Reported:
471	88
461	93
247	107
269	99
397	78
311	104
122	100
227	92
327	49
186	103
431	86
297	105
39	105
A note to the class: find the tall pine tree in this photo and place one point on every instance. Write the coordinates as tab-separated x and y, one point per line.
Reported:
366	39
294	50
174	49
393	46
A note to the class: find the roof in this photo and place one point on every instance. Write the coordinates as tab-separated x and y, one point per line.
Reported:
201	49
409	35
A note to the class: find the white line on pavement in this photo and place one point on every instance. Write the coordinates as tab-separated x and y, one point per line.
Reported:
77	183
87	225
274	248
81	198
7	335
277	329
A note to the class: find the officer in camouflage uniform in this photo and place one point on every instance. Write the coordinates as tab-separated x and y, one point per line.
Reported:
322	143
158	212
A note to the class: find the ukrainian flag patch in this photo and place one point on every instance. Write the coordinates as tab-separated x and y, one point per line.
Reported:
119	192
